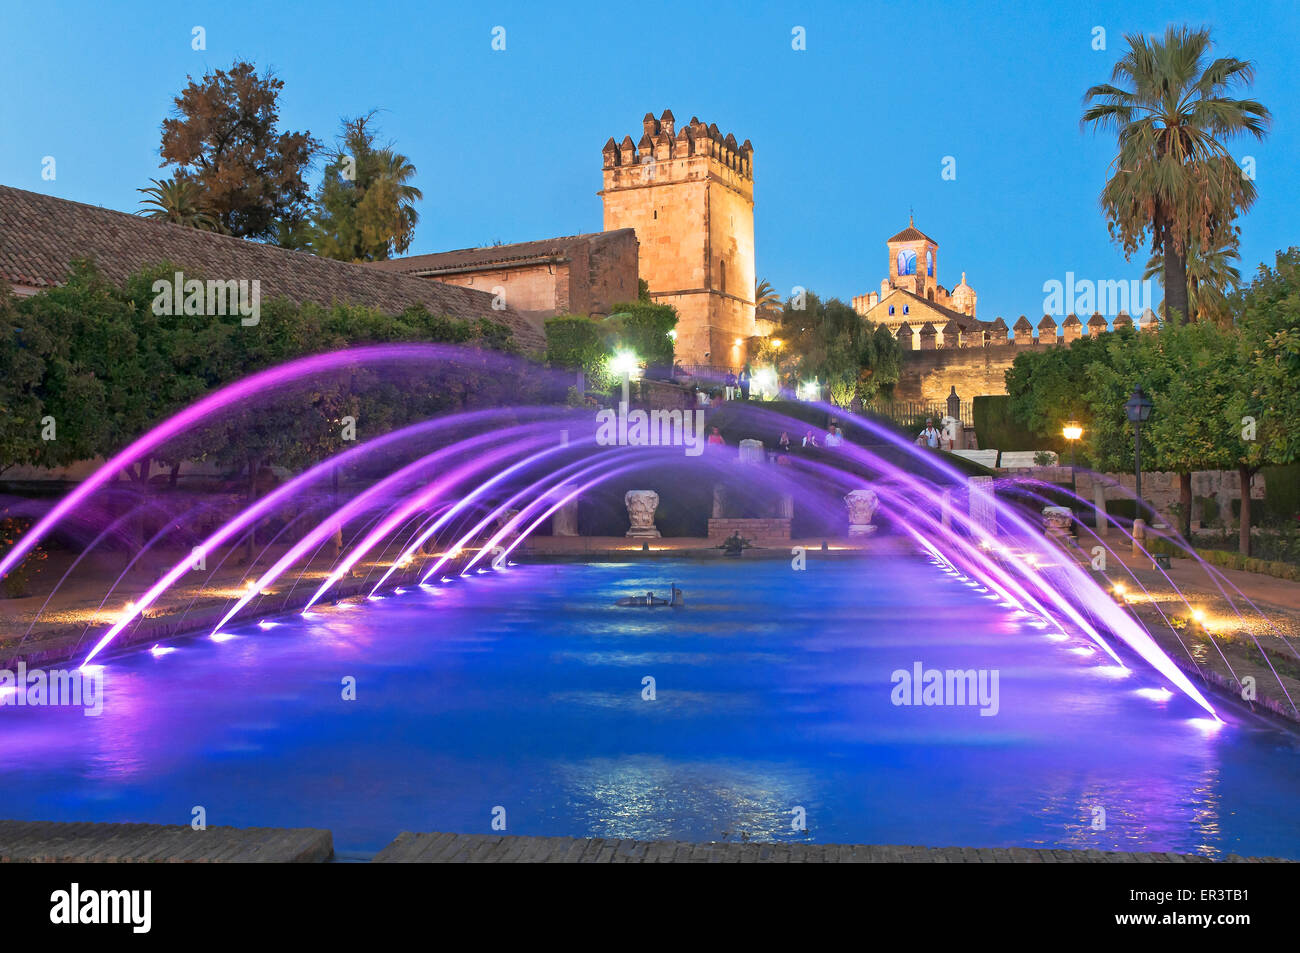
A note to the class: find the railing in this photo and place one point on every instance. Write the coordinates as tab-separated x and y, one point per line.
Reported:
910	411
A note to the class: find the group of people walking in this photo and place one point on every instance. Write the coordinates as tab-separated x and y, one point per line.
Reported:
737	385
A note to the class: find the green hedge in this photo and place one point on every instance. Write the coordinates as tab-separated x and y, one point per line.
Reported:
643	329
1226	559
1282	490
575	342
996	429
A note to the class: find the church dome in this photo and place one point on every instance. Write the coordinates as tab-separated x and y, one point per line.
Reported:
963	297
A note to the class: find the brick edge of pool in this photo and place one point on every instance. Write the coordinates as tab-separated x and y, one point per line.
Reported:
70	842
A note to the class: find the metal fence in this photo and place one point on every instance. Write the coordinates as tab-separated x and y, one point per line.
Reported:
910	411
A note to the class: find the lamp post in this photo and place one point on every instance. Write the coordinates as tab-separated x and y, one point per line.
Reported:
624	364
1138	409
1072	432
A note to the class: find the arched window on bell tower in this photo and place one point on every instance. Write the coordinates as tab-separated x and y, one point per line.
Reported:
929	264
907	262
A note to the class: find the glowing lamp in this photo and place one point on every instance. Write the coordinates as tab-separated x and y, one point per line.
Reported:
624	363
1072	431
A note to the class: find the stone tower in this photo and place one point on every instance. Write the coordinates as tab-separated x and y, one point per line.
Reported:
689	194
914	262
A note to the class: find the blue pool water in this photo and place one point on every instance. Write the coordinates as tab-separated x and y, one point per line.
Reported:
523	690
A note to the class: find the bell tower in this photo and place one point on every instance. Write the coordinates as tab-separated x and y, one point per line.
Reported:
914	262
689	194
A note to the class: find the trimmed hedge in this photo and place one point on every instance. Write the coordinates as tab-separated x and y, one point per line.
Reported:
996	429
1225	559
574	341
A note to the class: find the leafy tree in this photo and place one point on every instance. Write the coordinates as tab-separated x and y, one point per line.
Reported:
1173	177
22	366
831	343
1265	403
365	205
225	139
1190	427
1047	388
177	201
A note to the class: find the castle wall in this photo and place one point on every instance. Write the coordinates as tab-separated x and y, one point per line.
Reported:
529	288
974	371
597	274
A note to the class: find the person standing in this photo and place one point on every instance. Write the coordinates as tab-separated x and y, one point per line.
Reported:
743	382
930	436
731	385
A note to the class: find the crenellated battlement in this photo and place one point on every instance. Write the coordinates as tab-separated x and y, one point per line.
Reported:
928	336
661	141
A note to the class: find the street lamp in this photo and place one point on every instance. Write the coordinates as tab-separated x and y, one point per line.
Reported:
1138	409
624	364
1072	432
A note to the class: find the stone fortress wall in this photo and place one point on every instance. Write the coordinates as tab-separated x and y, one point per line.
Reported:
976	362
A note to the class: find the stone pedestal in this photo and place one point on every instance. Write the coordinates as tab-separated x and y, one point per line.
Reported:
719	501
641	505
751	451
1057	521
564	521
862	506
1139	537
983	506
1099	503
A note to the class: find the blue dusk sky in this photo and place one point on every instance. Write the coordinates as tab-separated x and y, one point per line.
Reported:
848	134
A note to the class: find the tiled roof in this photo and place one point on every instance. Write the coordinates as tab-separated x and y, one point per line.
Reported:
547	249
41	235
964	321
912	234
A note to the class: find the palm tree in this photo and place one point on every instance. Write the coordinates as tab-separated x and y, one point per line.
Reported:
767	304
177	201
1211	277
365	206
397	171
1173	176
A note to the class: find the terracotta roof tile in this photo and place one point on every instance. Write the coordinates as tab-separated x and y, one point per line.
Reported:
40	236
461	258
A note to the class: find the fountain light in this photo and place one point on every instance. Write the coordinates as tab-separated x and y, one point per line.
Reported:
265	624
1156	694
221	636
160	650
1198	616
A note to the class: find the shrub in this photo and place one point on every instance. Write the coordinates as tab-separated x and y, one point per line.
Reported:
996	429
17	582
